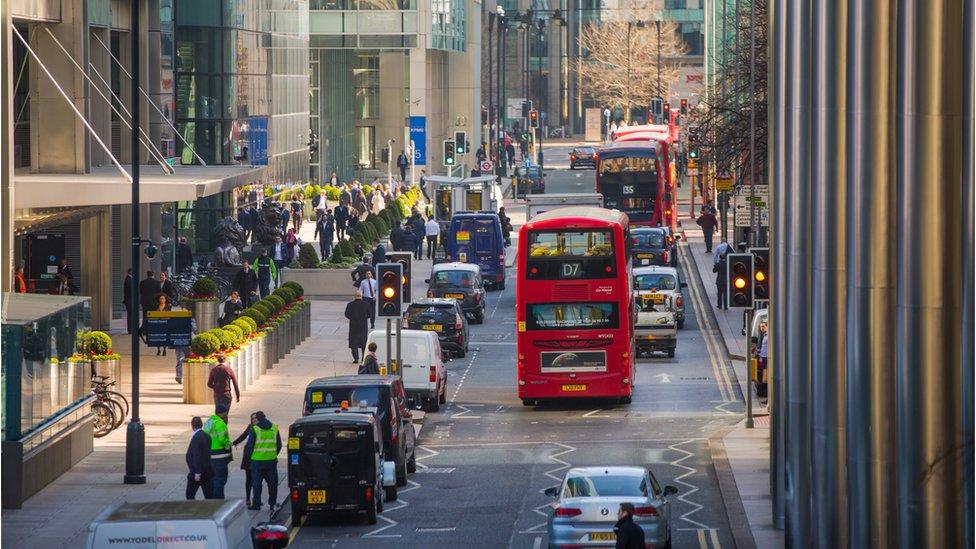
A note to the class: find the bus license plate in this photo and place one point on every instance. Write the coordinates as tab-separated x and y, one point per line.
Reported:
454	296
434	327
574	388
316	496
603	536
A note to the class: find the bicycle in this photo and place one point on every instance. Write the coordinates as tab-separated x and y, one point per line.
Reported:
104	418
101	389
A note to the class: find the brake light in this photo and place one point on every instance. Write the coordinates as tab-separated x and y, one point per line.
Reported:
294	495
649	511
433	374
567	512
369	493
457	322
477	298
572	157
679	301
666	256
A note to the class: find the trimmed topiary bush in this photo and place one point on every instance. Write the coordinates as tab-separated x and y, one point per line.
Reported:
236	330
277	301
285	293
204	287
227	338
205	344
256	315
99	343
243	325
346	249
295	287
308	258
250	322
263	306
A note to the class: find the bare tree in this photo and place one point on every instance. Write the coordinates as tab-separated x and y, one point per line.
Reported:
620	66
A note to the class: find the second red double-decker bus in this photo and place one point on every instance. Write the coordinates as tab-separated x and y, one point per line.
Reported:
574	306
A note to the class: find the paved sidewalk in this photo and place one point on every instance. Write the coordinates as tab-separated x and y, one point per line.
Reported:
59	515
741	455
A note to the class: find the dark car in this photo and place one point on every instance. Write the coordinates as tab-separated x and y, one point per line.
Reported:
582	156
386	393
530	180
672	244
650	246
335	463
462	282
445	318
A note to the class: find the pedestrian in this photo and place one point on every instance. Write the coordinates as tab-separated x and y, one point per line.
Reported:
419	232
183	352
761	353
378	203
325	231
264	445
162	304
320	204
510	153
423	185
221	379
246	459
297	210
279	253
292	244
200	475
721	250
246	284
148	290
345	194
721	271
506	224
402	164
408	241
20	285
285	217
629	535
379	252
334	179
220	454
370	363
708	223
359	273
65	287
358	311
396	237
432	230
368	287
167	288
480	154
244	220
184	255
65	269
127	299
341	220
233	307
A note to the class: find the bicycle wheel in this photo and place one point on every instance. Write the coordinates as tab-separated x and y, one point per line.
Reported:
117	410
120	399
104	419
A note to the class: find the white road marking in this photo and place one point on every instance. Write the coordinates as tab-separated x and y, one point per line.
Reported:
664	378
680	479
537	543
592	413
464	411
715	543
423	530
402	502
543	509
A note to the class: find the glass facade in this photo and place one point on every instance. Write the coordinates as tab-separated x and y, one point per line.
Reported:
39	335
241	83
448	25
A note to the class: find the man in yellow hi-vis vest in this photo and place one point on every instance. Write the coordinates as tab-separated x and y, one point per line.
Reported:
263	445
220	455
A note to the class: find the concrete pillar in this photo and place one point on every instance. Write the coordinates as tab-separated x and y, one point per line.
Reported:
96	256
394	78
6	146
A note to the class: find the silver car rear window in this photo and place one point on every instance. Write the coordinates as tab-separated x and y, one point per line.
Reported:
603	486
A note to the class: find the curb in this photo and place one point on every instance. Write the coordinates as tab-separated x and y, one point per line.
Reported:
734	510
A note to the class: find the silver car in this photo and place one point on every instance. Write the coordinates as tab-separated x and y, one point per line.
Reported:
589	497
664	280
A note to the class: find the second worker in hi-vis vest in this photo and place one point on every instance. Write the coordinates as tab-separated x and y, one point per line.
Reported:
264	445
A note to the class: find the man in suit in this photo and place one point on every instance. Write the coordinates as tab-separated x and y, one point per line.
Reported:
379	252
127	299
149	288
402	164
201	471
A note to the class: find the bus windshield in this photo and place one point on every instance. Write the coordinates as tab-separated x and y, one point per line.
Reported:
571	254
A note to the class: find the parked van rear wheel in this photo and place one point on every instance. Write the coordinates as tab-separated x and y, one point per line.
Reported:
390	492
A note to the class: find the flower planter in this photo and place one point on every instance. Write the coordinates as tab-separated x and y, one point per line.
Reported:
79	380
195	375
234	361
247	358
111	368
205	313
271	340
261	353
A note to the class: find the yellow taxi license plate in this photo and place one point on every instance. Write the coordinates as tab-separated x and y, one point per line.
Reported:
645	256
454	296
574	388
657	298
603	536
434	327
316	496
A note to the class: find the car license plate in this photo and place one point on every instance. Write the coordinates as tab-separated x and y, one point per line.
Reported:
434	327
454	296
645	256
316	496
603	536
574	388
645	261
657	298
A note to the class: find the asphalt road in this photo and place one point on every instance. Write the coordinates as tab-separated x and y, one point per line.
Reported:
485	459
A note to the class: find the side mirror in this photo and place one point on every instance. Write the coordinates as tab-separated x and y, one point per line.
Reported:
426	281
269	536
552	491
684	284
670	490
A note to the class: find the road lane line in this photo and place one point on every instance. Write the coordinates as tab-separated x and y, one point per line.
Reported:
680	479
464	411
701	539
537	543
543	509
715	542
402	502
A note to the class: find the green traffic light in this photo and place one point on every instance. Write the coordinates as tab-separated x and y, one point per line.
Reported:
692	154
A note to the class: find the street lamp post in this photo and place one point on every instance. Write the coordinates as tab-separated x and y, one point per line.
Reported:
491	97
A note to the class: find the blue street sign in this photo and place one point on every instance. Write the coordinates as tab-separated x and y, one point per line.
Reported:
418	134
257	141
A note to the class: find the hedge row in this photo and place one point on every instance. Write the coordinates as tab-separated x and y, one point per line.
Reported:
252	318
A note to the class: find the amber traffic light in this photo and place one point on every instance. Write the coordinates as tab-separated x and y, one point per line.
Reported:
740	277
390	303
405	260
760	266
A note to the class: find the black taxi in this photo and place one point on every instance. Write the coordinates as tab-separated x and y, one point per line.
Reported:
335	463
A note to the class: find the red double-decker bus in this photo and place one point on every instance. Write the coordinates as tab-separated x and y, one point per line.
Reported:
631	179
664	136
574	306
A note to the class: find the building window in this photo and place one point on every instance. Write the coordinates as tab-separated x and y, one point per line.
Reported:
366	75
692	35
365	147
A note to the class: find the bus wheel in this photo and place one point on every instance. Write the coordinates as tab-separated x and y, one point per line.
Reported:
625	400
391	493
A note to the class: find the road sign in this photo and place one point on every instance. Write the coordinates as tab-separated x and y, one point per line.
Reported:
487	166
723	181
743	198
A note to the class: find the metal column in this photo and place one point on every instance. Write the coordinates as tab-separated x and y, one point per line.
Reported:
927	343
968	282
870	383
829	290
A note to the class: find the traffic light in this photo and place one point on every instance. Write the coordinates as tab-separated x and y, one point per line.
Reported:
692	154
684	106
404	259
666	116
534	118
390	283
740	280
449	159
760	266
526	107
460	143
484	116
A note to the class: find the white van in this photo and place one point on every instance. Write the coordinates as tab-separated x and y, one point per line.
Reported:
424	375
206	524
